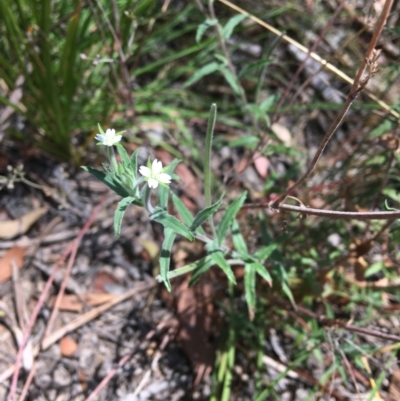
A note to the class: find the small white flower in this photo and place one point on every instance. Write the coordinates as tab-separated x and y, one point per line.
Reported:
154	175
109	138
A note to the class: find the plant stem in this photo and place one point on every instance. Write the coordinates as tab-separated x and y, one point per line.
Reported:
207	159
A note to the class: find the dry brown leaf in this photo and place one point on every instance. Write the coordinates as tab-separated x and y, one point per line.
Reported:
68	347
12	228
17	254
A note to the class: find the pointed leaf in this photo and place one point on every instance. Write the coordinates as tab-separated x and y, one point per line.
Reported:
263	254
184	212
202	72
228	217
162	217
202	266
263	272
237	238
201	29
165	257
267	104
231	79
219	259
119	213
250	288
134	161
124	157
283	279
185	269
108	180
205	214
227	30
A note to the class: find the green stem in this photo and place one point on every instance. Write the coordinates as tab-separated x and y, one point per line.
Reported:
207	160
112	158
146	199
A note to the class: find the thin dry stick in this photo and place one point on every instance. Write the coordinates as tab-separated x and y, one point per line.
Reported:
43	297
330	213
358	85
28	382
60	294
315	56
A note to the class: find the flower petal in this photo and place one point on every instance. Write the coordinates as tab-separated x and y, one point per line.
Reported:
99	137
156	167
110	132
145	171
164	178
152	183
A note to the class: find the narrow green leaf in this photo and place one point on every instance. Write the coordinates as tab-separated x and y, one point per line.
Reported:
263	272
182	210
134	161
185	213
202	72
168	221
205	214
250	288
219	259
202	28
227	30
374	268
119	214
249	68
283	279
263	254
108	180
237	238
126	162
165	257
228	217
267	104
231	79
202	266
184	270
286	289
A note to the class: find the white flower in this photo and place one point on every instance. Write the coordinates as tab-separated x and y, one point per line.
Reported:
109	138
154	175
